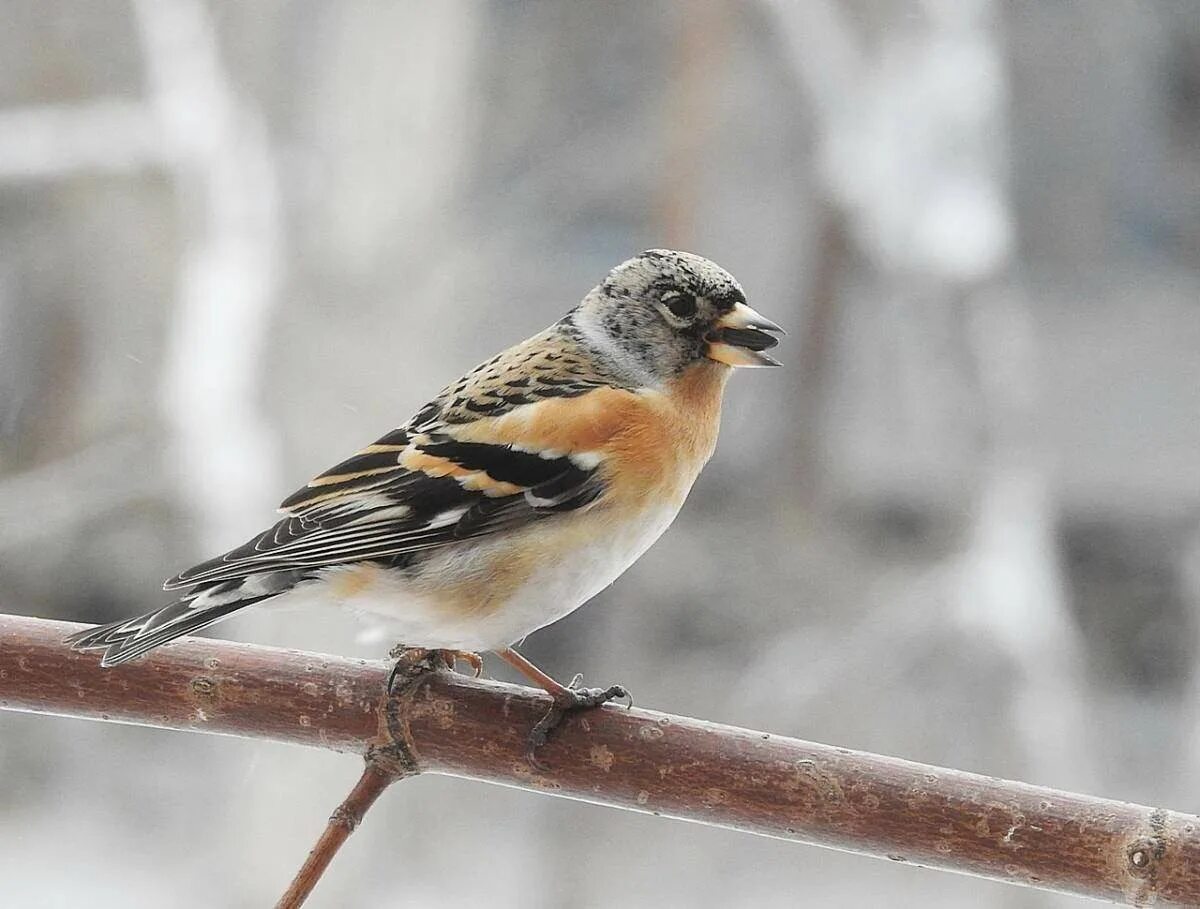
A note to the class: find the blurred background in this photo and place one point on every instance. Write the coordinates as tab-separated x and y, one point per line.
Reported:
239	240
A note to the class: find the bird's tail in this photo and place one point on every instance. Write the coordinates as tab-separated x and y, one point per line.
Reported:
129	639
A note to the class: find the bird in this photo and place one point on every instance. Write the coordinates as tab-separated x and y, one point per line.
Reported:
514	496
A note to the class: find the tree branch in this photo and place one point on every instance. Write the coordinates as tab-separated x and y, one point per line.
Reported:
343	822
639	760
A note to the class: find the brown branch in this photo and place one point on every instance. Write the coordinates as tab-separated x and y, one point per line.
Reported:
387	760
343	822
637	759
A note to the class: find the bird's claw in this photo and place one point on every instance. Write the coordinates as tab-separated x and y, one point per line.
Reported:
412	661
472	659
572	698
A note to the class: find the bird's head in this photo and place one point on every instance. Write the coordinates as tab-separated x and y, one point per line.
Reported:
663	311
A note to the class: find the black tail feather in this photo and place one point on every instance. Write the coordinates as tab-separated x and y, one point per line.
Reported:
131	638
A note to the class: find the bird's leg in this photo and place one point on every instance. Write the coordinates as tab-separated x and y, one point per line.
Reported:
415	660
567	698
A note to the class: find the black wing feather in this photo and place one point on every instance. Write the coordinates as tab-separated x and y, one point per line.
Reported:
377	513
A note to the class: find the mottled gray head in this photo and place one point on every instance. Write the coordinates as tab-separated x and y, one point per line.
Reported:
661	311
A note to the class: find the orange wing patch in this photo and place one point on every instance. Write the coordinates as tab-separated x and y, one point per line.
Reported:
568	425
648	443
436	466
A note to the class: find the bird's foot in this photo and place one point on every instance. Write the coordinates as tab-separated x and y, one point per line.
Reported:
567	700
452	658
413	661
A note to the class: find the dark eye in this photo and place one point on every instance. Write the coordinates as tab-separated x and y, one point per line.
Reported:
681	305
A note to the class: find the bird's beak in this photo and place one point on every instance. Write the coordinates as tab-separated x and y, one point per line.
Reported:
739	338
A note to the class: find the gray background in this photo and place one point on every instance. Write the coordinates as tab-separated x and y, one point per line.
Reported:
239	240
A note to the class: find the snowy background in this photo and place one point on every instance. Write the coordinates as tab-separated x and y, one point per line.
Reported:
239	240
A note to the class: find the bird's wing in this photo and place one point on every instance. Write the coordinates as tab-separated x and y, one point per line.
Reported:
491	453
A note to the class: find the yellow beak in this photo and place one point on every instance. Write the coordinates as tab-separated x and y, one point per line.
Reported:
739	338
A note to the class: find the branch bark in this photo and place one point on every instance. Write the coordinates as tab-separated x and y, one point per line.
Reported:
639	760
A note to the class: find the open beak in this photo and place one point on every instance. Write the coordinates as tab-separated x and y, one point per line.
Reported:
740	337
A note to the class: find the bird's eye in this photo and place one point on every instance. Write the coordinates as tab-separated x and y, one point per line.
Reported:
681	305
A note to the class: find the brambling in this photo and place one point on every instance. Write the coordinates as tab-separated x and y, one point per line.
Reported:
514	496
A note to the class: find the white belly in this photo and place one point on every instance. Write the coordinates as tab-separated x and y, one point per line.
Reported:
564	586
415	614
